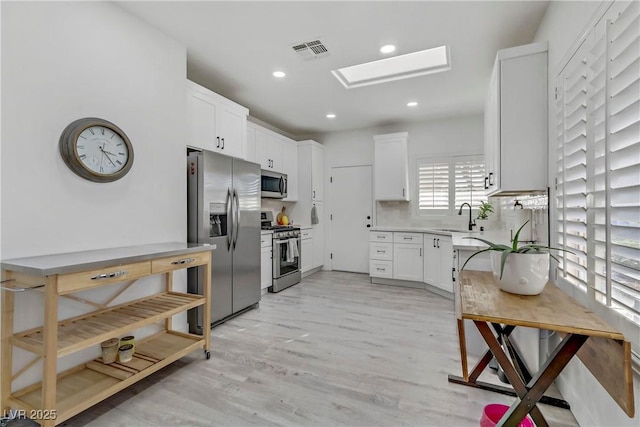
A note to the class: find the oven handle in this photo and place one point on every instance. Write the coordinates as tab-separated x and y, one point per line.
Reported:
285	240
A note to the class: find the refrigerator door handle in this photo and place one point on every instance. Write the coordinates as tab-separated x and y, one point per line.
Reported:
229	218
236	219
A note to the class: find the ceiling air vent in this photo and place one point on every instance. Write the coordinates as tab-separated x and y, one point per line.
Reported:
310	50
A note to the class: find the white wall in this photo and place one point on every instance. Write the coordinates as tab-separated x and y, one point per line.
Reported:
62	61
450	136
562	25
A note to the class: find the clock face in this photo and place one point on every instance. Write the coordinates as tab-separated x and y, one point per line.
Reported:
96	149
102	150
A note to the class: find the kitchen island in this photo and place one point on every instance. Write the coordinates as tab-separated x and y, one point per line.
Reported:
59	396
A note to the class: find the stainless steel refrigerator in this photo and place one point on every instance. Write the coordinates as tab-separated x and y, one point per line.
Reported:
223	208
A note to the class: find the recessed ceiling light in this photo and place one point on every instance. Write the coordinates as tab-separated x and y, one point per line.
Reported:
331	116
279	74
412	104
387	48
395	68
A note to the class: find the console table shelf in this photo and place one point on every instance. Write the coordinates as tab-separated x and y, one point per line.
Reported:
60	396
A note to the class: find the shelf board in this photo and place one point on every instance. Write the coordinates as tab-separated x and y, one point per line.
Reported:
83	386
83	331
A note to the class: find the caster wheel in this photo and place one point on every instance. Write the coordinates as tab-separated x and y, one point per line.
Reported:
207	354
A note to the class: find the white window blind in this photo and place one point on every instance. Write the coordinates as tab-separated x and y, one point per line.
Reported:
433	186
445	183
469	182
598	174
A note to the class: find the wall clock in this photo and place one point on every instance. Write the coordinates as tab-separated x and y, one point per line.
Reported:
96	149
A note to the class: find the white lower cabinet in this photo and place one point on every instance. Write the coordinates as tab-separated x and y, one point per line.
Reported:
266	261
306	250
438	261
408	255
407	262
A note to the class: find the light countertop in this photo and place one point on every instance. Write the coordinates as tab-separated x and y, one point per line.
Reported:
73	262
460	239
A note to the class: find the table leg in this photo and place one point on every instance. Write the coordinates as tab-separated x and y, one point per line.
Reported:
484	362
168	322
510	372
50	357
6	355
545	376
206	326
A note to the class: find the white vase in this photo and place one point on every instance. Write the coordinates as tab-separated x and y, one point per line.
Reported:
524	274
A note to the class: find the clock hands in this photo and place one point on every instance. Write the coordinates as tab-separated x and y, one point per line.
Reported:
106	153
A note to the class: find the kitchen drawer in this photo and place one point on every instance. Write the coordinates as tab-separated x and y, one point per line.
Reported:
407	238
306	234
68	283
266	240
179	262
381	236
381	251
381	269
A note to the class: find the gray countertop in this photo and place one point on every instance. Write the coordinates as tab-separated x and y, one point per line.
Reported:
73	262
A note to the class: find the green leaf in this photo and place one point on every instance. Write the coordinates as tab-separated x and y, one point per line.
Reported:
474	254
515	238
492	245
546	248
503	261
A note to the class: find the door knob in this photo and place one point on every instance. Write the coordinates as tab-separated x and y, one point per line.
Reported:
368	216
368	225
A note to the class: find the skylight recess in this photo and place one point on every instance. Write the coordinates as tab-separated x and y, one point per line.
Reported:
398	67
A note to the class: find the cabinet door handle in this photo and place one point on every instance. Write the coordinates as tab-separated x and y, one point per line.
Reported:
434	243
183	261
218	144
438	244
490	179
314	194
109	275
403	192
421	252
486	182
453	274
222	143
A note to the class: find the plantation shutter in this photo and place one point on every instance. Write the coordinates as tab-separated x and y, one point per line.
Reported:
616	146
469	181
598	169
433	186
572	168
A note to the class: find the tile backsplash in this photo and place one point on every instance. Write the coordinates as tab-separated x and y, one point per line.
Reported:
402	214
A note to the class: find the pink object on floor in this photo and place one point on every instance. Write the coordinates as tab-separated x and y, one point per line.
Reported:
492	413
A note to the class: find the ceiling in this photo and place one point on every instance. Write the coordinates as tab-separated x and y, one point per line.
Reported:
234	47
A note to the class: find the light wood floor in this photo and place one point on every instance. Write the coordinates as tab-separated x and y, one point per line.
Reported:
334	350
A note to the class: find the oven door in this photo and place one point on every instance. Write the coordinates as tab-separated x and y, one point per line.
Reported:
285	261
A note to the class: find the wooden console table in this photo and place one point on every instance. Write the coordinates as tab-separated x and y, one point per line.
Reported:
600	347
62	395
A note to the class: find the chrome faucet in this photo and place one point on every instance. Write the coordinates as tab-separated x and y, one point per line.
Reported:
471	222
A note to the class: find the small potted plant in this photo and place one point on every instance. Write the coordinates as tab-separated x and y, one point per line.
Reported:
522	270
484	210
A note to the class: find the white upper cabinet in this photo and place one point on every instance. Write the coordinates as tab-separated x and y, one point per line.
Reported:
268	149
516	137
251	143
391	166
215	123
290	167
311	171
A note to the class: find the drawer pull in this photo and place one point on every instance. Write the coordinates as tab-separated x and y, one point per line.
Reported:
183	261
18	289
381	269
382	252
408	238
382	237
109	275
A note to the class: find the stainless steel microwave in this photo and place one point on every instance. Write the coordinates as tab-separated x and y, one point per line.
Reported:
273	185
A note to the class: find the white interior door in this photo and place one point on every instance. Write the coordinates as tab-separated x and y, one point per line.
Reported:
352	210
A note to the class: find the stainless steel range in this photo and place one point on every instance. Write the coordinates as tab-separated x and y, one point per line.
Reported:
286	253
